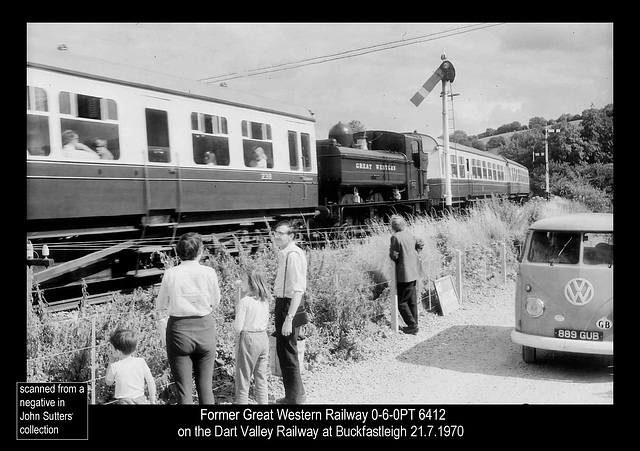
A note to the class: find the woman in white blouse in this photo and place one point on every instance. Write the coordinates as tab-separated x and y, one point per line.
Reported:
189	294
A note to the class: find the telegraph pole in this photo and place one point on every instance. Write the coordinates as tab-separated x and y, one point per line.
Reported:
445	139
547	194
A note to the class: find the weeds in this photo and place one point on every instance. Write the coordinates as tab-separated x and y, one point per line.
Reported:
347	292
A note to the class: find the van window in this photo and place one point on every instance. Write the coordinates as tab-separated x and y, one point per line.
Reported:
598	248
555	247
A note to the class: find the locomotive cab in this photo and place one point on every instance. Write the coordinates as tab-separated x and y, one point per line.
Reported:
372	173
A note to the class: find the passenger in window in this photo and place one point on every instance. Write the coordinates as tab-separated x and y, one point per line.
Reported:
210	158
101	149
259	158
73	148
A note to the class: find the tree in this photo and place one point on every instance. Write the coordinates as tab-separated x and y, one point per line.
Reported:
496	141
460	137
597	133
356	126
537	121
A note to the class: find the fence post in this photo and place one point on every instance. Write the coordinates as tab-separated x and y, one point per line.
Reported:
393	292
504	264
93	359
459	274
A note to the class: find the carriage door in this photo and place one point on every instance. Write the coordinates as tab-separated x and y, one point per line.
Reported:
161	171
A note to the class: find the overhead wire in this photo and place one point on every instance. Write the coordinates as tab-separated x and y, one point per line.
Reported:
347	54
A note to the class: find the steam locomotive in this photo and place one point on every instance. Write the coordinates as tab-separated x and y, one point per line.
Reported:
122	156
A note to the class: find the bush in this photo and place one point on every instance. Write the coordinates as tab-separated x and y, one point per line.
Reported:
347	292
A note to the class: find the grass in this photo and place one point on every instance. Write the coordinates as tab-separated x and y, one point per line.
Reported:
347	291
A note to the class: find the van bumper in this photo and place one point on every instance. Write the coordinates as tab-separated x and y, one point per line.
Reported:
561	344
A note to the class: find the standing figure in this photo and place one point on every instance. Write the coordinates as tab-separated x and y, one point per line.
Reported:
290	313
404	250
189	294
129	373
252	344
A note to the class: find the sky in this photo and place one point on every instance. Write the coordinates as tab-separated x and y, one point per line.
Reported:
368	72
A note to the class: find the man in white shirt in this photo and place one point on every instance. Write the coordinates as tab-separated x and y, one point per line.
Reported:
290	285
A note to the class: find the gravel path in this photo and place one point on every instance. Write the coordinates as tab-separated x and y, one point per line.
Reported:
464	357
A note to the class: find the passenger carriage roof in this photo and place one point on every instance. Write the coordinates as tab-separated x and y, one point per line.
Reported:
583	222
97	69
461	147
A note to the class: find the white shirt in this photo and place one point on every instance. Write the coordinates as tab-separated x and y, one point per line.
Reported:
293	260
189	289
251	314
129	376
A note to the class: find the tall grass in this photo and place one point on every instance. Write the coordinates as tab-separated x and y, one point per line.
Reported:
347	292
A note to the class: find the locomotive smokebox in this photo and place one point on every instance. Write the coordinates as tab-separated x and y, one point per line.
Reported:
342	133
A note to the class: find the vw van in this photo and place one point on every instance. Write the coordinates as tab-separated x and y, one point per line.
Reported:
564	288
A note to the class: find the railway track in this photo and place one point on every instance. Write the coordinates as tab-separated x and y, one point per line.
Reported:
84	287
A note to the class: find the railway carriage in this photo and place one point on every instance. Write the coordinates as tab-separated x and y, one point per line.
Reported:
181	151
122	156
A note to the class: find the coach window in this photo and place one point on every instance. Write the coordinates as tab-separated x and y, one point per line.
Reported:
158	136
463	174
484	170
454	166
306	151
210	139
257	145
293	150
94	120
38	141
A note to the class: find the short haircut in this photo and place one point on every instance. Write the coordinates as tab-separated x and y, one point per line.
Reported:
398	223
289	225
124	340
189	246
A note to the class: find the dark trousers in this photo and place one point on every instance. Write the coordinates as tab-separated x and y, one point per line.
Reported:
287	350
408	303
191	350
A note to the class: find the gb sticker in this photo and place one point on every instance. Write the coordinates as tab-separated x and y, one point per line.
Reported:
604	323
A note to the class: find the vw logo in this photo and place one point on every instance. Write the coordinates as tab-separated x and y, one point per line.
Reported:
579	291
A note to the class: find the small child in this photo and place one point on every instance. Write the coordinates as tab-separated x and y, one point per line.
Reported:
129	373
252	344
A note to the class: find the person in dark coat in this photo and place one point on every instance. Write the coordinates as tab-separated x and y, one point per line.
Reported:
404	250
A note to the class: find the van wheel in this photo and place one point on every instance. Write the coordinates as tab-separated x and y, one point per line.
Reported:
528	354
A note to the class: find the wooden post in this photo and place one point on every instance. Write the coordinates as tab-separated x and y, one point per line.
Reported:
393	296
504	263
459	274
93	360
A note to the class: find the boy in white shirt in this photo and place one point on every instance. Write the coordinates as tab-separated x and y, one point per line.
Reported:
128	372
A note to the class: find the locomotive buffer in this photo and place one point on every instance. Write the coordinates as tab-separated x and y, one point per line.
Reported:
446	73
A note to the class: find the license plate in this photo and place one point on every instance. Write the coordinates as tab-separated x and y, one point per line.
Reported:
586	335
